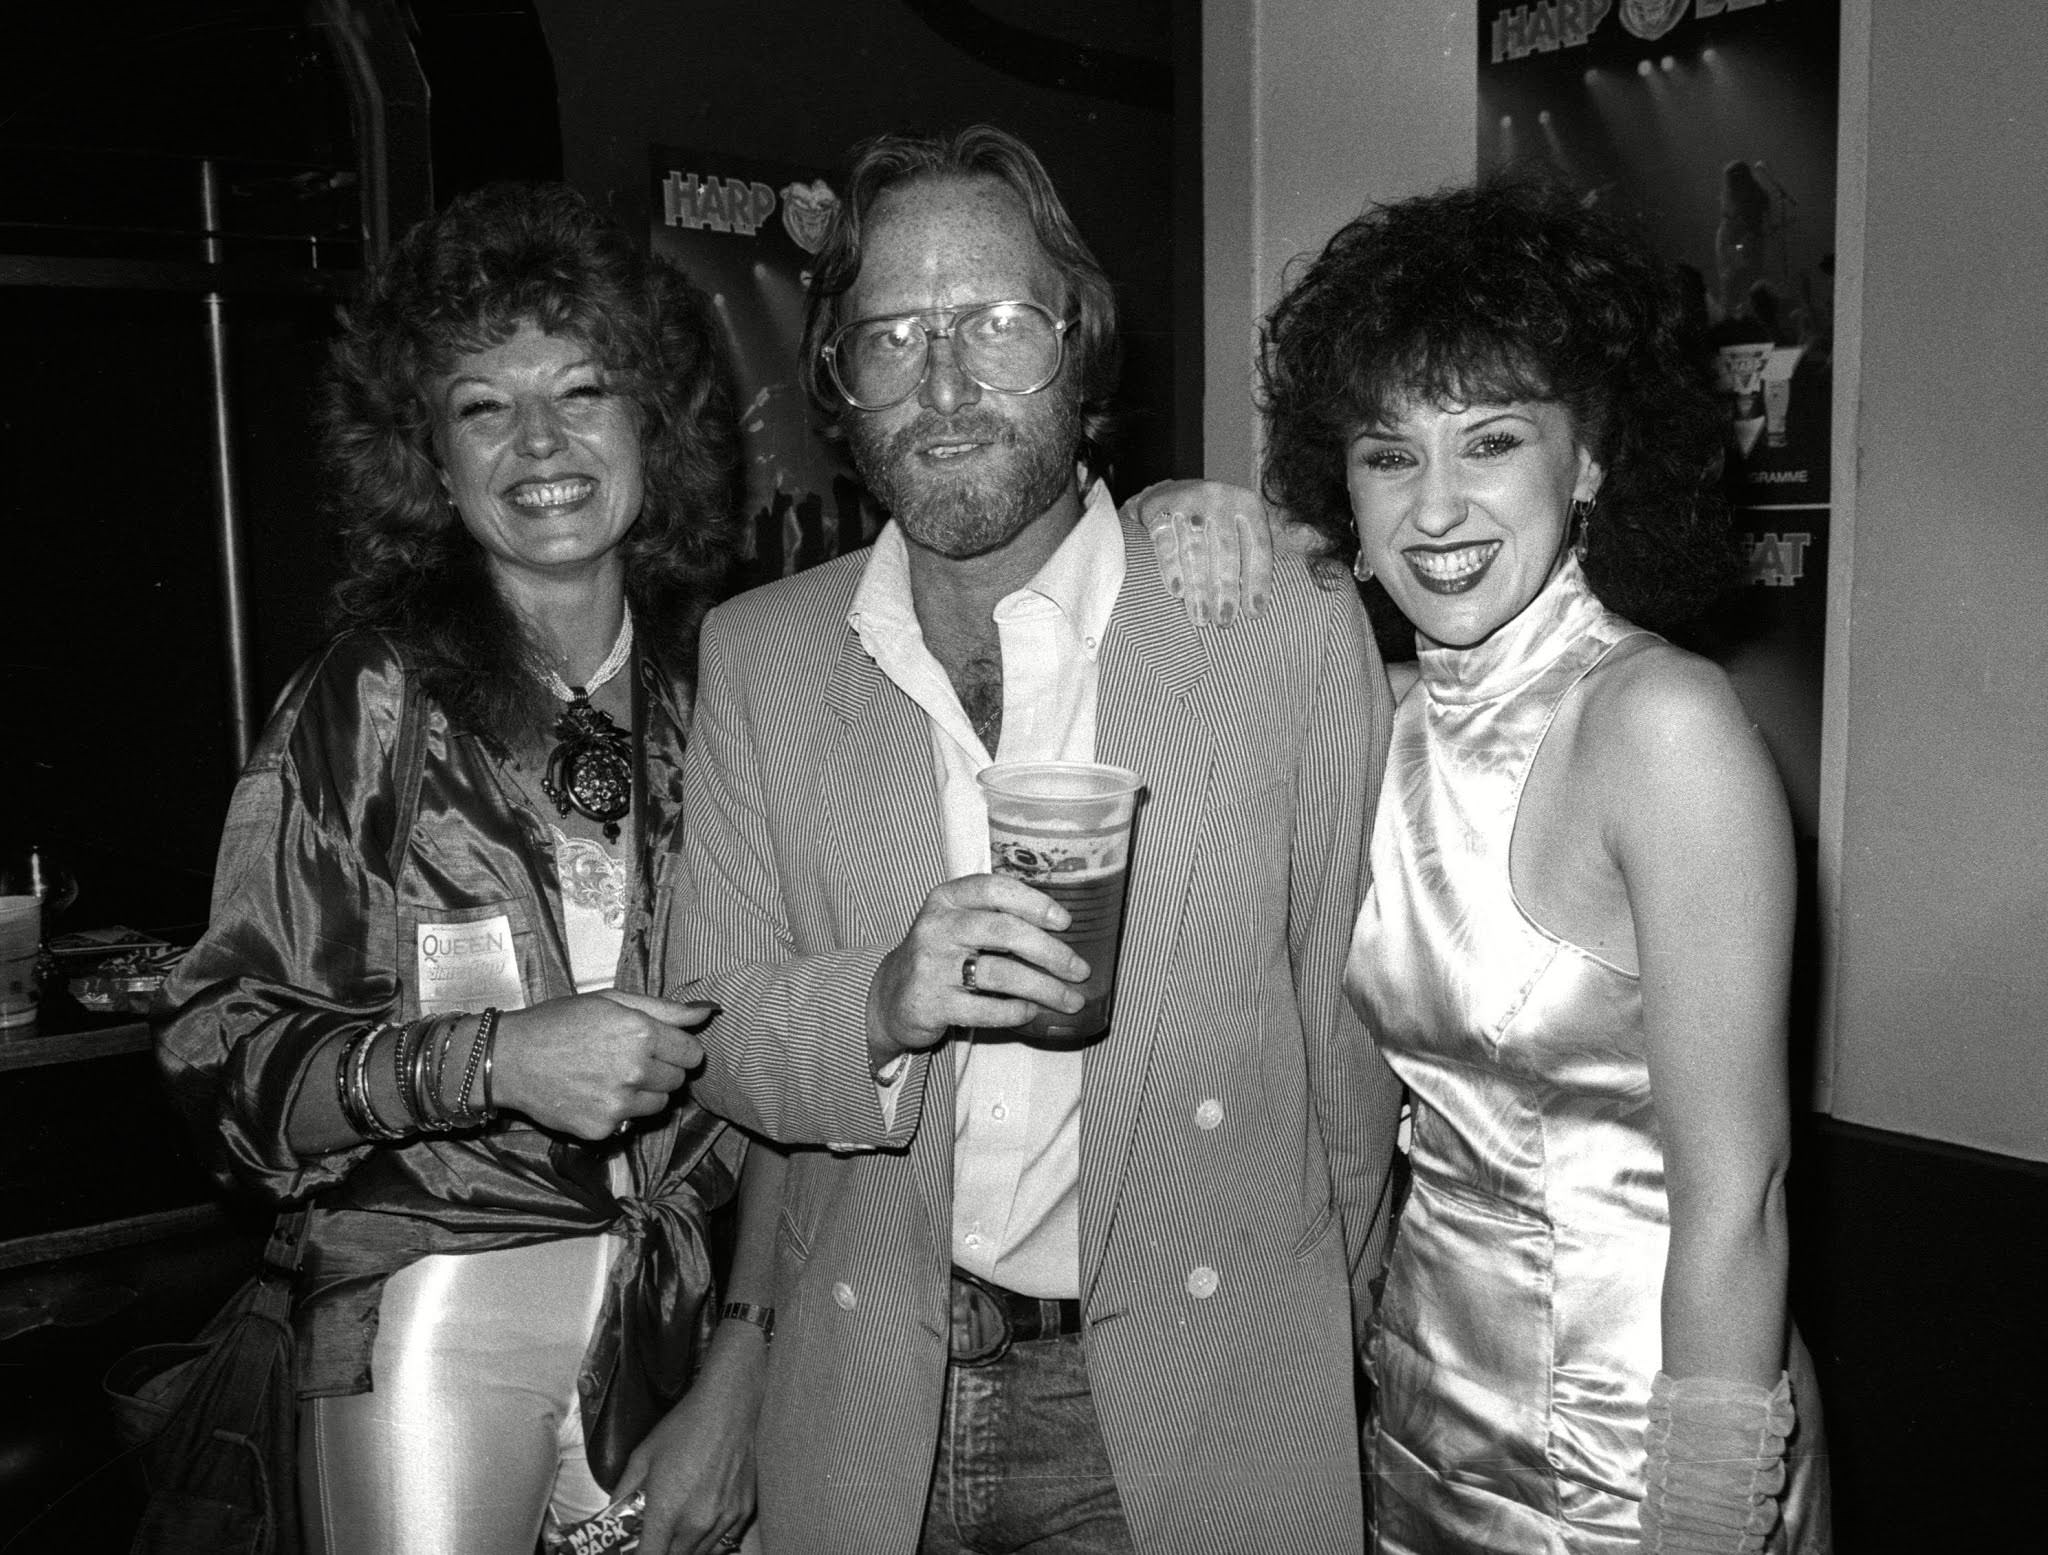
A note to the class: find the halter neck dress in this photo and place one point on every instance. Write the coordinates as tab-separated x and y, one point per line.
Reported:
1520	1325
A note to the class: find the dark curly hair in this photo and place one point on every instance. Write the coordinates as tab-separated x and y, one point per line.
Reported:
885	162
466	280
1509	289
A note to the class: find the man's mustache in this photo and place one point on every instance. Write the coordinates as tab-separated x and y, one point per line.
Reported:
978	425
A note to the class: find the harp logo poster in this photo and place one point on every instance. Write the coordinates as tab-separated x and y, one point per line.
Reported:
1710	124
745	230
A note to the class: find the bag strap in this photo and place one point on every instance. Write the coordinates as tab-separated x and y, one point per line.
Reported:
408	764
287	1244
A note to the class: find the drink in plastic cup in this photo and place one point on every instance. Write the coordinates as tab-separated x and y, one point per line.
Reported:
21	932
1064	828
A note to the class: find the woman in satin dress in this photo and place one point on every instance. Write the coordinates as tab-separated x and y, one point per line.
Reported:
1577	945
424	1007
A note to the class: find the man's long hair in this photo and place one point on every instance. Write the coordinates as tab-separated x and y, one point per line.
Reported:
464	281
885	162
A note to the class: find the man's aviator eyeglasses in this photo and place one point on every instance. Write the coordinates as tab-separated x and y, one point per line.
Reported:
1016	347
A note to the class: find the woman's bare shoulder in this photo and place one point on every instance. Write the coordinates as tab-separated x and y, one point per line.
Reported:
1663	730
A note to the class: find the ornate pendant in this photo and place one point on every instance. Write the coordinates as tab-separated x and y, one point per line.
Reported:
591	768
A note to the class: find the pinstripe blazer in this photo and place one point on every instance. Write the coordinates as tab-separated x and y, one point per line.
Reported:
1236	1123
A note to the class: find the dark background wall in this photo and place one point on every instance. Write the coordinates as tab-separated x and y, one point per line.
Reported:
1091	86
116	751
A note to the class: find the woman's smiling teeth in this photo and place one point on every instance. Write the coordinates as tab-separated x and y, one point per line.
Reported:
552	494
1451	571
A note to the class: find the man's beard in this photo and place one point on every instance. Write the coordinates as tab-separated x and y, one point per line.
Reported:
971	514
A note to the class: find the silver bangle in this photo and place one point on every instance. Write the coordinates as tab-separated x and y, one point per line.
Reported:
359	1084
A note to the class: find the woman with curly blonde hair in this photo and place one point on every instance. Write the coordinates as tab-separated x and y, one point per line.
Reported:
422	1009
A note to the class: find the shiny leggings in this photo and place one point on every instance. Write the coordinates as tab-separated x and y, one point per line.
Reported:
471	1439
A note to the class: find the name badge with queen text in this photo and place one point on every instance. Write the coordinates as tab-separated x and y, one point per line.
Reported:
468	966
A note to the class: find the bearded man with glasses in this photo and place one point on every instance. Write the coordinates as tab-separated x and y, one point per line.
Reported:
1030	1296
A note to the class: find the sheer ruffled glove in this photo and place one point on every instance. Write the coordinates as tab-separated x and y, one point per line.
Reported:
1716	1465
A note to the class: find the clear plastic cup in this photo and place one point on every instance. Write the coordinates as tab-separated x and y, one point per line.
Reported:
1064	828
21	934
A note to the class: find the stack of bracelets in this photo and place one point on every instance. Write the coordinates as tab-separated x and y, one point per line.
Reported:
420	1056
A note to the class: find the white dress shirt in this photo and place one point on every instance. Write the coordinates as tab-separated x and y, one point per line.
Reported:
1016	1128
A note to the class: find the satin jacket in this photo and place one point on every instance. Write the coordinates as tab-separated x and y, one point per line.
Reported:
309	937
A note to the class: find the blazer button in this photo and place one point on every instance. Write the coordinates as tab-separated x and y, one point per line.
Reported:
1209	1114
843	1294
1202	1282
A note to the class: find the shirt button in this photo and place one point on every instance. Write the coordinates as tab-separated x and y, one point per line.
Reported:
1209	1114
973	1239
1202	1282
843	1294
999	1112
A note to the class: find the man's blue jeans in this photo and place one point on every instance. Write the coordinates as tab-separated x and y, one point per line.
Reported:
1021	1468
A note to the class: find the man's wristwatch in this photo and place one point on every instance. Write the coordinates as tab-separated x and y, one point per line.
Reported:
762	1318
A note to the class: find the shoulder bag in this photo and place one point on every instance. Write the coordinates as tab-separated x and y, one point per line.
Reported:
215	1422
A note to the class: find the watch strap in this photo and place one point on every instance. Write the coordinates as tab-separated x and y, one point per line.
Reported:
762	1318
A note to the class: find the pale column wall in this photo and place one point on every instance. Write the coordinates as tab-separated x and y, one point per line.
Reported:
1936	749
1311	110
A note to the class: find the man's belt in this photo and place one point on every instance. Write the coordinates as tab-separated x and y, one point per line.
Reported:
988	1319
